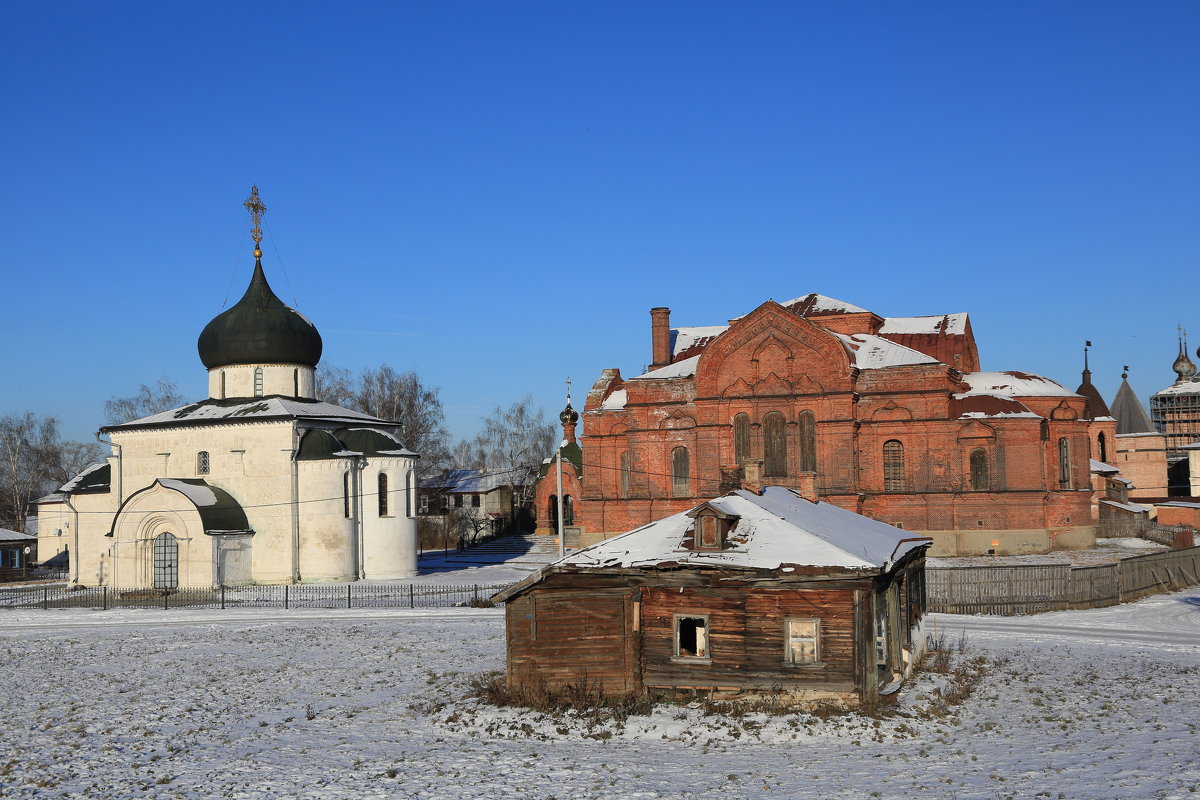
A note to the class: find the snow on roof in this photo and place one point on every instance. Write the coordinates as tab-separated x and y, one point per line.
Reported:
73	484
1183	387
211	410
814	303
1013	384
680	369
15	536
1100	468
1179	504
615	401
955	324
684	339
1132	508
199	495
875	352
773	530
474	480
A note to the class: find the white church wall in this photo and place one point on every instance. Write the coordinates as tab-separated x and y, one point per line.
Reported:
326	529
390	541
239	380
142	520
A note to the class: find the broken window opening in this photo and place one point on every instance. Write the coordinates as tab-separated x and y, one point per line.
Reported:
803	641
691	637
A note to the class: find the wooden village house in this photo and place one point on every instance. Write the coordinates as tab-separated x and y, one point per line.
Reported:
751	592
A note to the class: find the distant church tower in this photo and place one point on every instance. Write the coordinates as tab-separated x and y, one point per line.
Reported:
1175	410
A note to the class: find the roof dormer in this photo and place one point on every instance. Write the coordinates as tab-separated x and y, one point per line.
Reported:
710	529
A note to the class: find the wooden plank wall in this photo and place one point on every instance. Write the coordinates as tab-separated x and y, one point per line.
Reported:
1033	588
746	638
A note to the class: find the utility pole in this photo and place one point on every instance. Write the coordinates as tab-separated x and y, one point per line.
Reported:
562	542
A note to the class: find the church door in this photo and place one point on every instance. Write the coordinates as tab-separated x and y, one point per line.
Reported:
166	561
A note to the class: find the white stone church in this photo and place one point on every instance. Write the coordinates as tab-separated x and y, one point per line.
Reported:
258	483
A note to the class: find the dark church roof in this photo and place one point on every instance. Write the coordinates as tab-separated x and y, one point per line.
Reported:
1130	413
259	329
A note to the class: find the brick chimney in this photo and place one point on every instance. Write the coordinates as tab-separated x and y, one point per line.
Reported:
806	485
660	336
752	475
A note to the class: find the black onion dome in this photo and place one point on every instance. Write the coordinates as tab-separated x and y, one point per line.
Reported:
569	416
259	329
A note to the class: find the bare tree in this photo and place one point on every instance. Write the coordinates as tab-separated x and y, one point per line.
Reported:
516	439
34	461
395	397
149	400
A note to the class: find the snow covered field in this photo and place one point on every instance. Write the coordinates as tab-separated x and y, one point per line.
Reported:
363	703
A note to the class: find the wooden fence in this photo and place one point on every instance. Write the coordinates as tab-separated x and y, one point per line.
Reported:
1033	588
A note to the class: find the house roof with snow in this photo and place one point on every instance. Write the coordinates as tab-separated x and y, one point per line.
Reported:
256	409
474	481
1012	384
778	531
15	537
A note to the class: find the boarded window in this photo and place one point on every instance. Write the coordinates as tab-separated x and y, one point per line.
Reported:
1064	463
383	494
774	445
893	466
626	473
710	535
807	433
741	438
803	641
979	470
681	472
202	462
691	637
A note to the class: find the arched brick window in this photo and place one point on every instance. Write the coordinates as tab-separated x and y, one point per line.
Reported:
979	470
383	494
741	438
807	424
568	510
681	472
1102	446
552	511
626	476
774	445
1064	463
893	466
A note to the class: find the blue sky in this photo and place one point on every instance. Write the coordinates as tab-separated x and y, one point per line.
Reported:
495	194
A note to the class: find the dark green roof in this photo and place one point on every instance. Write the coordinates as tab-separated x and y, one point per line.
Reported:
259	329
570	452
219	511
320	444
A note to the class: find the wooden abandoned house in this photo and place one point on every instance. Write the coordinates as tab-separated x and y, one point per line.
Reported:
749	593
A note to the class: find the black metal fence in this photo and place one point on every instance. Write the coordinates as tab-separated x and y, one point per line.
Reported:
346	595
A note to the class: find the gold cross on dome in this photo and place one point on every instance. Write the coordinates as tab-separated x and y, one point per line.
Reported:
568	391
256	209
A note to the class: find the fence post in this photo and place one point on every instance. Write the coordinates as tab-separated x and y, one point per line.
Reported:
104	598
166	599
222	597
412	600
348	585
45	599
477	594
285	596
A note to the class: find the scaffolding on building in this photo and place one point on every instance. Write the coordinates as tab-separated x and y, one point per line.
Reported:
1176	414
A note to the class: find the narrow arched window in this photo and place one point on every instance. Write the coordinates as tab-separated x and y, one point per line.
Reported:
1064	463
1102	446
408	494
979	470
741	438
681	472
202	463
383	494
626	473
774	445
893	466
346	494
222	384
296	382
807	424
258	381
552	510
568	510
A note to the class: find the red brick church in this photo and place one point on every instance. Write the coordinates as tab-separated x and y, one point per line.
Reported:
884	416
